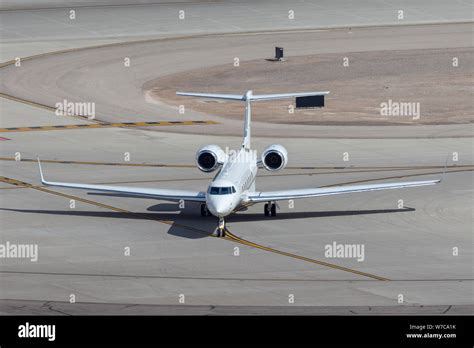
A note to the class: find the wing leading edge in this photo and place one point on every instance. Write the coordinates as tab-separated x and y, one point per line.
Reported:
165	194
335	190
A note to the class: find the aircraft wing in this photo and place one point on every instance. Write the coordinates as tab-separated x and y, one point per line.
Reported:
286	95
165	194
334	190
212	95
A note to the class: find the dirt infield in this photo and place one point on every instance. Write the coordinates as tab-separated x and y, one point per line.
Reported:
425	84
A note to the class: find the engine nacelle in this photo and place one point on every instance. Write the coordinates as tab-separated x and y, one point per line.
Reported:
274	157
209	158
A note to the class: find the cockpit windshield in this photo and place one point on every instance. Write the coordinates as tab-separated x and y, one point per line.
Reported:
214	190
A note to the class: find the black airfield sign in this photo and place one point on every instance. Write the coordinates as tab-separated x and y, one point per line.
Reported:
314	101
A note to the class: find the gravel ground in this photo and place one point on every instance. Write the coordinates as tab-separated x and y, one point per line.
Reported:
424	76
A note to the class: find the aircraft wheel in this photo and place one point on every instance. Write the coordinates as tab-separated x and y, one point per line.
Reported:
220	232
221	227
273	209
266	210
204	211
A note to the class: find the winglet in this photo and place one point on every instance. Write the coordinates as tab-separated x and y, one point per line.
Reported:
41	171
444	170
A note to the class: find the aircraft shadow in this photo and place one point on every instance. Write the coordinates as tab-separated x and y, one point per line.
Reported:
189	216
312	214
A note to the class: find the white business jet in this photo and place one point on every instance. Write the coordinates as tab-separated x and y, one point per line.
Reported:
234	184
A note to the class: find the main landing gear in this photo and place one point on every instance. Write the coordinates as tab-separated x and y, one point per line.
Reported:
270	209
204	210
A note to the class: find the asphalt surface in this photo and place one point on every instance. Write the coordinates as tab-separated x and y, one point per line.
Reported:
408	250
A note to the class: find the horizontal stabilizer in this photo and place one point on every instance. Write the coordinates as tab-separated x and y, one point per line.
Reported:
213	96
259	97
249	96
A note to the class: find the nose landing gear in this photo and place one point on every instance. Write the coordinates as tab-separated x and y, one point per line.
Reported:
270	209
220	230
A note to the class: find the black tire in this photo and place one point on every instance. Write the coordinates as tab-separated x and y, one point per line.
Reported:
203	210
266	210
273	210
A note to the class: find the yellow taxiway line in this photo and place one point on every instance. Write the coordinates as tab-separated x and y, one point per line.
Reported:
106	125
303	258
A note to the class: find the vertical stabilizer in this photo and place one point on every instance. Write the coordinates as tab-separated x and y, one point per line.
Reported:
248	97
248	119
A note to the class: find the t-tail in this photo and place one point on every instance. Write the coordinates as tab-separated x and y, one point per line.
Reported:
248	97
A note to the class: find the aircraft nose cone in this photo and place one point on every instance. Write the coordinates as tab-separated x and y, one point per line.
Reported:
220	210
220	206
